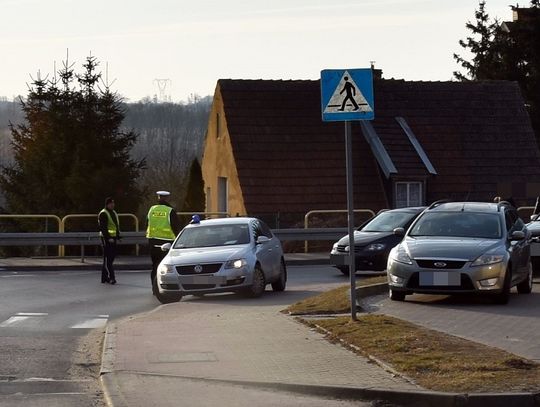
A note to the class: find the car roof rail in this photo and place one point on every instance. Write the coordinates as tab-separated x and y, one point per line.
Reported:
437	203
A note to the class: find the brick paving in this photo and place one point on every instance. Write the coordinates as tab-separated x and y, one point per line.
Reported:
514	327
253	343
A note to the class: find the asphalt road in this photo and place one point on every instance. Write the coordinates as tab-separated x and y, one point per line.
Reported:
52	325
51	328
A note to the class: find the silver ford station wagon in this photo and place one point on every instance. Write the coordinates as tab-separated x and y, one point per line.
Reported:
462	247
218	255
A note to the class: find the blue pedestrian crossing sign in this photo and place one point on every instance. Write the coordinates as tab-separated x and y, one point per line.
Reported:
347	94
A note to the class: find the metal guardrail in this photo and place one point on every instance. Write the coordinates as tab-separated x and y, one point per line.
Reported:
90	216
129	238
83	239
527	209
327	211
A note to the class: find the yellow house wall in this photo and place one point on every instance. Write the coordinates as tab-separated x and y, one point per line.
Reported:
218	161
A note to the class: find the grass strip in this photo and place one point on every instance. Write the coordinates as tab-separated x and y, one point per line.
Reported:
335	301
432	359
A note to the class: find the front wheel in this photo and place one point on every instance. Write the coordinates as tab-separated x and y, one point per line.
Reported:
396	295
165	298
503	297
258	285
280	284
525	287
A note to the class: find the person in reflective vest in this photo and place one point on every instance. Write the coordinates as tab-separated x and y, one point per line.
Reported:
163	227
109	231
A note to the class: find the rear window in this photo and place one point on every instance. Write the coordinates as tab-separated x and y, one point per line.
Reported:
458	224
388	221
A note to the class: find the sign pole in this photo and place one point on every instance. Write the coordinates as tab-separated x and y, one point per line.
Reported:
350	216
346	95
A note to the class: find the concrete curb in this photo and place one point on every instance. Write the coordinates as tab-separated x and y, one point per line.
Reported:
370	290
400	397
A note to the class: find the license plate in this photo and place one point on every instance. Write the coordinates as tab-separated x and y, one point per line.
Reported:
439	278
203	280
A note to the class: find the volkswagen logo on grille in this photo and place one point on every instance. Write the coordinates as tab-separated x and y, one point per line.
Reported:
198	268
440	264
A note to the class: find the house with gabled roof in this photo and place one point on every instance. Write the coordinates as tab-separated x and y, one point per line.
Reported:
268	153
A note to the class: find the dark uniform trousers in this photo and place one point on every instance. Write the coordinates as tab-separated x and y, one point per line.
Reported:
109	253
156	254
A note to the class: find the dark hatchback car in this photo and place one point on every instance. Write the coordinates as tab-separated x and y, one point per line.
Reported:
374	239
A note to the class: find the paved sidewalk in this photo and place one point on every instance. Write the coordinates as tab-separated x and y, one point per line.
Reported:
196	340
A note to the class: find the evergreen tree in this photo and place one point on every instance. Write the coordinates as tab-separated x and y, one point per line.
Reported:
70	152
480	45
508	52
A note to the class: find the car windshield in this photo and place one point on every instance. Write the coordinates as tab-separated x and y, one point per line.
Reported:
458	224
388	221
212	235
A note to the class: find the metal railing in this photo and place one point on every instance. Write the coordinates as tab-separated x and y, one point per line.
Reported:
83	239
37	216
64	220
61	227
528	209
333	211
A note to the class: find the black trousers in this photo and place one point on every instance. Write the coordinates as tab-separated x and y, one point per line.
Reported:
156	254
109	253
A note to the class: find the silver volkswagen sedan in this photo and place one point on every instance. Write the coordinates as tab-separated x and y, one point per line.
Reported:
462	247
220	255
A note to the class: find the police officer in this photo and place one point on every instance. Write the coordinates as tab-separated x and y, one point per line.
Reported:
109	230
163	226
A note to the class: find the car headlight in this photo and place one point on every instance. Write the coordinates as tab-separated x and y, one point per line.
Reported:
235	264
401	256
165	269
374	247
488	258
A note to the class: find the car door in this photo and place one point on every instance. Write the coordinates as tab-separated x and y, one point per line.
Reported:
520	253
263	251
276	252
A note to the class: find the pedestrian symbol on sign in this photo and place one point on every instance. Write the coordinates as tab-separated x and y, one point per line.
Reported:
347	97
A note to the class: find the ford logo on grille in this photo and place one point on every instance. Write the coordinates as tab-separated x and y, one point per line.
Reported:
439	264
198	268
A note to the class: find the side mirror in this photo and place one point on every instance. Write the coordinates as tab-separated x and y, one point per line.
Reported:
399	232
262	239
534	217
166	247
517	235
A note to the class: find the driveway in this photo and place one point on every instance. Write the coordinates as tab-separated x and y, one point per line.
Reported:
514	327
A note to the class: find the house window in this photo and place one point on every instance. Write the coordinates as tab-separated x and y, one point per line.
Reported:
222	195
408	194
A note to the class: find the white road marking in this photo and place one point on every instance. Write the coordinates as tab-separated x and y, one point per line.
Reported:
32	314
91	323
28	319
12	321
20	320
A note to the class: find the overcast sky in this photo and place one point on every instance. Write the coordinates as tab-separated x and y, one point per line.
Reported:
194	43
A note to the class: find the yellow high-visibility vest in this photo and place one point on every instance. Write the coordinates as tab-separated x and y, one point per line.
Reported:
159	226
111	226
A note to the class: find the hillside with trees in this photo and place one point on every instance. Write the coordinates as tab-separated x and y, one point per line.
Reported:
170	137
